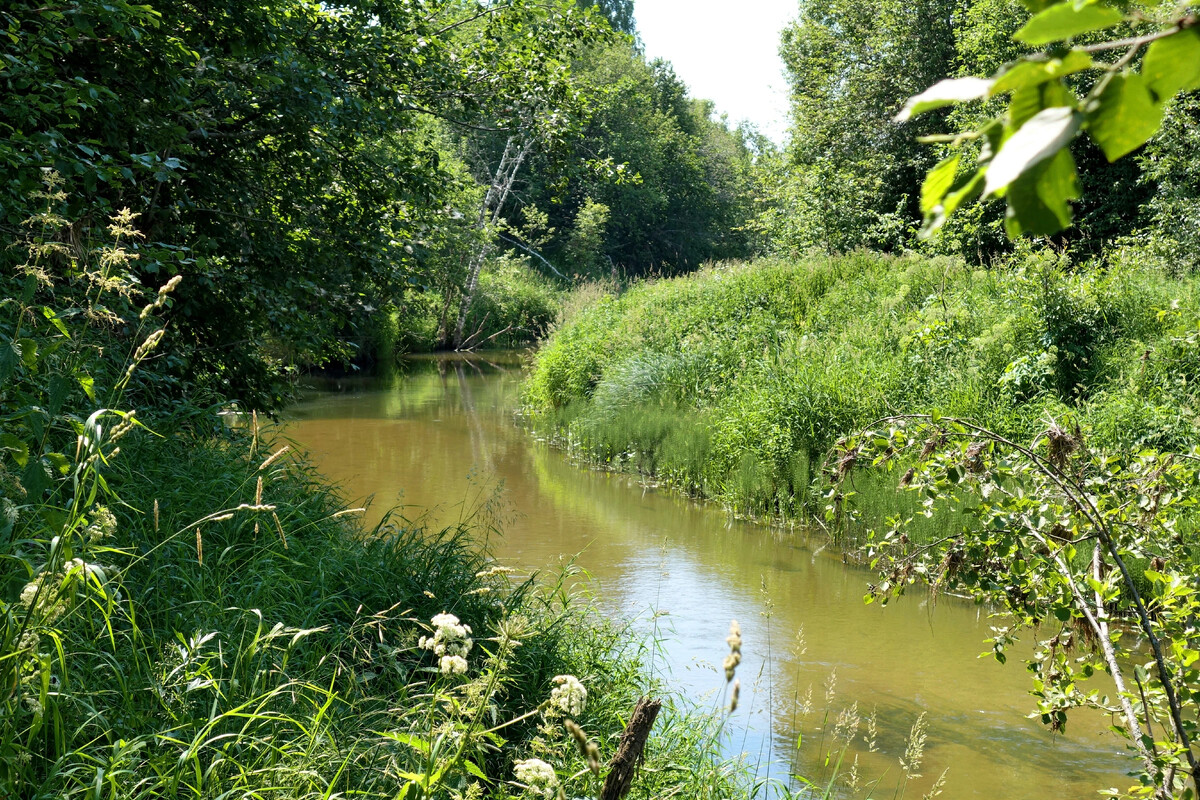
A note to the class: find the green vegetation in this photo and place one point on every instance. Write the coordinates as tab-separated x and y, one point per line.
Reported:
190	614
197	205
199	202
735	383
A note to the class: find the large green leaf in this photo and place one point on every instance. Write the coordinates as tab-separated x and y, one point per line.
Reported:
1172	64
938	182
965	189
1029	100
1037	140
944	93
1039	201
1125	117
1033	72
1066	20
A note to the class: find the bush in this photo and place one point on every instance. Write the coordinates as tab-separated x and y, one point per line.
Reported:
736	381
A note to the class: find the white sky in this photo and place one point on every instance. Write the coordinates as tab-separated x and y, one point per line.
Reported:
726	51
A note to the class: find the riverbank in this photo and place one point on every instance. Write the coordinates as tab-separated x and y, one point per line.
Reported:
734	383
813	653
227	626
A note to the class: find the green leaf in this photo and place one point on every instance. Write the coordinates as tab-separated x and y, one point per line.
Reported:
1065	20
88	384
58	462
965	189
1172	64
1126	116
1028	101
1026	73
938	182
472	768
18	448
944	93
1038	201
49	314
29	352
1040	138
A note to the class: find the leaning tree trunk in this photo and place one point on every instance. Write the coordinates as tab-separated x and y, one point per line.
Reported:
515	150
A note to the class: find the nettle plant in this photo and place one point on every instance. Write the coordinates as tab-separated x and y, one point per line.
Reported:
1091	552
1113	90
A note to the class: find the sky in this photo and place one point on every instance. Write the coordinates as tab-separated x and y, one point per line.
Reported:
726	51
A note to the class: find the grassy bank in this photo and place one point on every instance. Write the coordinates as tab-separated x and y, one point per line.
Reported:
185	613
735	382
226	629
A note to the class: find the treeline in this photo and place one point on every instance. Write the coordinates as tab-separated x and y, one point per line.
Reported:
329	178
851	175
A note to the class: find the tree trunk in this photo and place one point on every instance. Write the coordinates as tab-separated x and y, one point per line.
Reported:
515	150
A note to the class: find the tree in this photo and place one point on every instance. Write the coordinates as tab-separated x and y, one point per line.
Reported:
850	66
1024	154
281	152
1072	544
675	181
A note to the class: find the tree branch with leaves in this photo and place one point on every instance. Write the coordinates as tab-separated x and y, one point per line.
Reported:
1112	91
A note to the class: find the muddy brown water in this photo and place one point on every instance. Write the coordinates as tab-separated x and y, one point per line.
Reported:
439	439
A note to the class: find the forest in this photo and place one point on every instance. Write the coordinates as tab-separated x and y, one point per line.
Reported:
951	324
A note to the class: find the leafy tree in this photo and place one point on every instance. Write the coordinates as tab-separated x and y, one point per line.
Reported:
1115	90
1072	544
619	14
675	181
850	67
281	152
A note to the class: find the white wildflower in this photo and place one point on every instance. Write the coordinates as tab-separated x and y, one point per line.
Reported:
453	665
568	695
450	638
103	525
537	776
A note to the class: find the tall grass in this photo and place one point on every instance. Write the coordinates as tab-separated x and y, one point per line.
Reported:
736	382
185	614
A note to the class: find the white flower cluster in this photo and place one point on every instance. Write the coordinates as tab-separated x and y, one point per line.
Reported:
52	591
538	777
451	641
568	695
103	525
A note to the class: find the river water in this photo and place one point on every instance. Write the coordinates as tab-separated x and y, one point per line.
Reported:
440	440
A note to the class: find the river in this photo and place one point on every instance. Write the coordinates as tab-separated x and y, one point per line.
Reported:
440	440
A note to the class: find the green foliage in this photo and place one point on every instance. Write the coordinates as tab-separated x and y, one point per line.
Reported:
197	616
734	383
515	305
284	158
1065	540
847	169
675	182
1024	153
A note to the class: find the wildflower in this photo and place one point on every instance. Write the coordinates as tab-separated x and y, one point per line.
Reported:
103	525
453	665
569	695
451	641
537	776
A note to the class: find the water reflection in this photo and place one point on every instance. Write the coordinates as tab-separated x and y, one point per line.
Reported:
440	440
